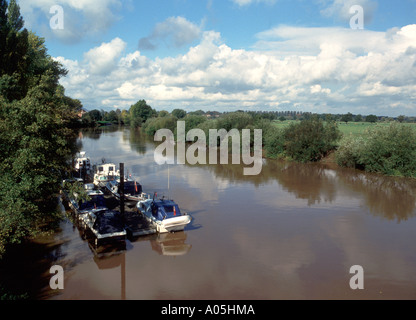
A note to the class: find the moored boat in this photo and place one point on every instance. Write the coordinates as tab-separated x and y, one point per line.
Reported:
133	190
105	224
94	202
104	173
83	168
165	215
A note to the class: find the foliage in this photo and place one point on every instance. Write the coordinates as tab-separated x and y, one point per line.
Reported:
349	151
347	117
310	140
235	120
193	121
140	112
179	113
371	118
36	142
274	142
388	149
154	124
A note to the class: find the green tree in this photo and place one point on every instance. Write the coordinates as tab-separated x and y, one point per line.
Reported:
163	113
95	115
347	117
36	142
371	118
358	118
179	113
15	20
310	140
388	149
140	112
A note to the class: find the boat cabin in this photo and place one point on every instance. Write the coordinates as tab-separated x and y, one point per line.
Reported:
162	209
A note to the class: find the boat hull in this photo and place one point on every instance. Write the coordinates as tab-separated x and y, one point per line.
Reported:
174	224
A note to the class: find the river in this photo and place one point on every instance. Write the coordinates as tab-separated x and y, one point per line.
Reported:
292	232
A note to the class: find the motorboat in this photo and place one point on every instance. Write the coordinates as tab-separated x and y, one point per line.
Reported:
95	200
164	215
105	224
104	173
83	168
132	190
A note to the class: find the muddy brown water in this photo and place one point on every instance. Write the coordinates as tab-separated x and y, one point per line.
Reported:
292	232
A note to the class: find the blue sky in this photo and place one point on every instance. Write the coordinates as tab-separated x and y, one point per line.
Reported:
235	54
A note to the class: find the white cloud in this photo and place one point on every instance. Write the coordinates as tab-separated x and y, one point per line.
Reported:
103	59
82	18
339	70
177	31
242	3
340	9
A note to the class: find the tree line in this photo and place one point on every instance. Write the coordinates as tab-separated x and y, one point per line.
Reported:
389	149
138	113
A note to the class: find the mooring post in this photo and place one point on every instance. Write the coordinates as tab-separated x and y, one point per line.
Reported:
121	191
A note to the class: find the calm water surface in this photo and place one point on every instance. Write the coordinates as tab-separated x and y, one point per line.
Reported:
293	232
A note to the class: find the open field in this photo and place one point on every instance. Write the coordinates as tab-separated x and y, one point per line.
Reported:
353	128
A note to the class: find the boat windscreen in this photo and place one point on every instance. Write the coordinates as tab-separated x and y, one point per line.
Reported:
96	201
168	209
132	188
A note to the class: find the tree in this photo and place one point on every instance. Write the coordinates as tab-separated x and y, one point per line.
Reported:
358	118
95	115
36	142
371	118
140	112
163	114
179	113
310	140
401	118
347	117
15	20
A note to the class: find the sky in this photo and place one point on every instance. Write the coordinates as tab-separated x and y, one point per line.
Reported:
320	56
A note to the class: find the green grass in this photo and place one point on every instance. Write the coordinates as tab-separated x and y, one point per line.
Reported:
355	128
351	128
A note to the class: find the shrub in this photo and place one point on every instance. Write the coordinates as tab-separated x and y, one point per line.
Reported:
349	151
273	140
153	124
389	150
311	139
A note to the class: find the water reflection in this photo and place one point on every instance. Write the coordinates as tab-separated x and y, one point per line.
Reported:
389	197
171	244
393	198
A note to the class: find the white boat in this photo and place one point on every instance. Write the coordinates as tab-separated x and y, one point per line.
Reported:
164	215
83	166
106	172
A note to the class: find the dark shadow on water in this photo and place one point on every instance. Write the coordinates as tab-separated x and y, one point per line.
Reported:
25	269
